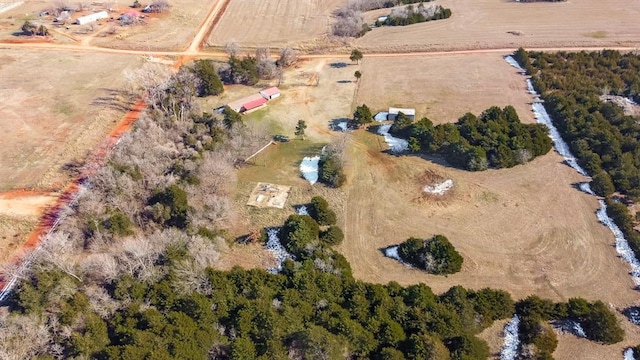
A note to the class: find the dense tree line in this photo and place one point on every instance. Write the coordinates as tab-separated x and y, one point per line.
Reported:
435	255
350	18
537	339
605	141
410	15
495	139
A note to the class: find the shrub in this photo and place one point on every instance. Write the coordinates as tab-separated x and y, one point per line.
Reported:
170	207
319	210
602	184
119	224
332	236
331	172
435	255
298	232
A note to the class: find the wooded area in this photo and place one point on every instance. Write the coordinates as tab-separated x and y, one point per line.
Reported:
495	139
605	141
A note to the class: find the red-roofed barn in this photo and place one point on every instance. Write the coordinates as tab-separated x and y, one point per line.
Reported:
254	104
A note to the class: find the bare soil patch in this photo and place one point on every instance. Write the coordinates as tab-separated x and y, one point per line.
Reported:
274	23
505	24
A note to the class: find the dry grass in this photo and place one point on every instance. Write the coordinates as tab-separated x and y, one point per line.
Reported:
492	24
52	116
443	88
274	22
172	30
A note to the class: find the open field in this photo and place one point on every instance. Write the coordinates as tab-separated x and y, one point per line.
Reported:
55	117
172	30
443	89
527	230
274	23
487	23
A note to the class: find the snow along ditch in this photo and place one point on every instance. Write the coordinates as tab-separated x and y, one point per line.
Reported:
275	246
396	145
622	246
509	349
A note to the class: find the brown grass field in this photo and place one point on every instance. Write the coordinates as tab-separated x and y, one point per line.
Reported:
487	23
527	230
172	30
52	116
274	22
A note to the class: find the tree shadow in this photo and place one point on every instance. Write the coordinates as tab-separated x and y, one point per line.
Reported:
334	124
114	99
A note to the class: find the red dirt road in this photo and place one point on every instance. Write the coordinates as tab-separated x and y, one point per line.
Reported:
53	214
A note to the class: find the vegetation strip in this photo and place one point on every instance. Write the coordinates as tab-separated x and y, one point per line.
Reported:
623	247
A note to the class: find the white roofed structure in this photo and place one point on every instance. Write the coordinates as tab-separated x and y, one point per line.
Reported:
92	18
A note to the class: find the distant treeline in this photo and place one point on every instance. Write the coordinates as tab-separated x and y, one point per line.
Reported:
495	139
605	141
410	15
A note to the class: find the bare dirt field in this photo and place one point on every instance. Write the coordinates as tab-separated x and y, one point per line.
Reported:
274	22
443	88
52	116
488	23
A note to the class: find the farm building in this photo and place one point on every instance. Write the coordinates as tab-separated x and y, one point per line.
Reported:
92	17
253	104
238	104
393	113
270	93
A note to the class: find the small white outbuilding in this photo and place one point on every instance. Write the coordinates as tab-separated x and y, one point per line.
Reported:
92	17
393	113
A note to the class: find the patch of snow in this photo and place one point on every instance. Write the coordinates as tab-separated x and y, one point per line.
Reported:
511	339
509	59
570	326
275	247
439	189
530	87
396	145
631	102
309	168
622	246
381	116
392	252
628	354
561	147
342	126
633	314
302	210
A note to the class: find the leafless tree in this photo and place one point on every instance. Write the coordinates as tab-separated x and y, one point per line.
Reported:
288	57
100	301
231	48
59	251
23	337
349	22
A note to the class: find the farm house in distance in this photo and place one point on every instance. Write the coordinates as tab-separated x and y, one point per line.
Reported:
92	17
